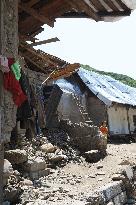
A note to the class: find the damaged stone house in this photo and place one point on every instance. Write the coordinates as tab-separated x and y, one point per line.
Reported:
104	99
21	21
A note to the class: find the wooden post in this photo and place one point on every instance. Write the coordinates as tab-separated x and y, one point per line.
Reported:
8	48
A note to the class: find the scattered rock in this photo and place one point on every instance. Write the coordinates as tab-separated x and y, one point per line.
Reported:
7	172
99	166
93	156
26	182
12	194
57	158
127	162
118	177
48	148
100	173
34	164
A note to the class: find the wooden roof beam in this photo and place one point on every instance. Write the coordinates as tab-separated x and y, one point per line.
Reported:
36	53
35	14
83	6
27	38
114	13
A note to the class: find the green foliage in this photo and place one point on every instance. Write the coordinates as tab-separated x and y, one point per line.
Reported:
123	78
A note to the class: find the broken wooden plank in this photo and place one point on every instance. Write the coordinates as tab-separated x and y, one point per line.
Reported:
51	40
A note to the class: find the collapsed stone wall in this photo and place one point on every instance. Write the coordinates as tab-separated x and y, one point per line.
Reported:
86	137
119	192
96	110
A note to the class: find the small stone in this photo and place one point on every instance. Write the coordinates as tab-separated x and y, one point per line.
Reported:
117	177
56	158
99	166
100	179
92	176
100	173
27	182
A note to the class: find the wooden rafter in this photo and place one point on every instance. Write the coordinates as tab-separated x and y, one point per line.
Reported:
32	2
122	4
111	4
38	54
35	14
33	62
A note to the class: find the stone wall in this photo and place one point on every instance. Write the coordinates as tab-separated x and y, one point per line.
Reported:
96	110
8	48
35	78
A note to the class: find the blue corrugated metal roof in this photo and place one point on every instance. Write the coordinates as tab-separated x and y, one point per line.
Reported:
108	89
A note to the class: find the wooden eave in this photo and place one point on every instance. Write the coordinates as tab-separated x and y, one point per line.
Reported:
33	14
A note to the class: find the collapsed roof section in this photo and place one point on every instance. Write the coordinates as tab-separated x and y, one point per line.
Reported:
33	14
40	61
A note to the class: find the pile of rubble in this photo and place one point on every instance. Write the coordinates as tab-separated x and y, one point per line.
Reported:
30	161
49	171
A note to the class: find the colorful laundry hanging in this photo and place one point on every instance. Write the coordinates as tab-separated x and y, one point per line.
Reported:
12	85
16	69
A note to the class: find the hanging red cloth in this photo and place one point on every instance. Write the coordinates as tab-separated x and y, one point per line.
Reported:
12	85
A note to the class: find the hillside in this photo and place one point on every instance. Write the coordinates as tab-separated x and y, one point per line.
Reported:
123	78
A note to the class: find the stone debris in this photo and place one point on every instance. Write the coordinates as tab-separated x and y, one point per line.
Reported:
93	156
34	164
7	172
16	156
48	148
56	173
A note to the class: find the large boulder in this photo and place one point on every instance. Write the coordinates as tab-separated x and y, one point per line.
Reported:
16	156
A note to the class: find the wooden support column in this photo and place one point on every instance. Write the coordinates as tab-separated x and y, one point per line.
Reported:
8	48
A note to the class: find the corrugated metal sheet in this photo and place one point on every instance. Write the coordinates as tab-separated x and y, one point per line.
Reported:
108	89
68	87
